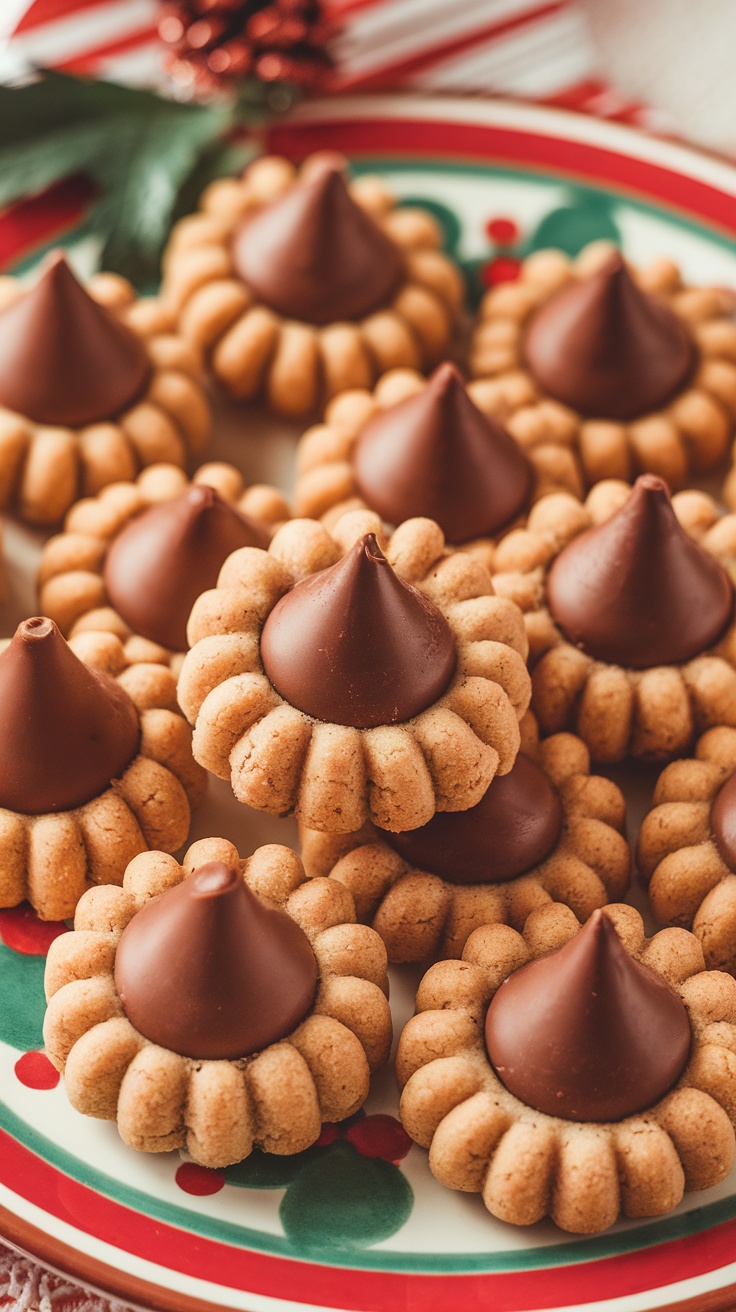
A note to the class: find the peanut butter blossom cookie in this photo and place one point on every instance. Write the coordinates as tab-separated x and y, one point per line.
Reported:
298	285
133	560
547	829
643	367
630	619
687	846
95	766
573	1073
94	385
218	1006
424	448
353	676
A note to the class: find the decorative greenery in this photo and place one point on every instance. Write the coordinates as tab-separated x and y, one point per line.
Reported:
585	217
21	989
345	1193
345	1201
147	156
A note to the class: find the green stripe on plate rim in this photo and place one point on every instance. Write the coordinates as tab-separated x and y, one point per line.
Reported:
672	1229
550	177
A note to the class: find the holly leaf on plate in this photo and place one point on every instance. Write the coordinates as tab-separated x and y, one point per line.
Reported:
143	152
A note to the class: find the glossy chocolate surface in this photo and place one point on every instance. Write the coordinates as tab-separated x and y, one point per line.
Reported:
637	591
66	731
165	558
354	644
209	971
436	455
514	826
64	359
608	349
723	822
315	255
587	1033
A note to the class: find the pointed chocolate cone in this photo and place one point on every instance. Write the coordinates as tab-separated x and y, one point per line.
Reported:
587	1033
608	349
637	591
64	359
165	558
436	455
356	645
514	826
208	971
315	255
66	731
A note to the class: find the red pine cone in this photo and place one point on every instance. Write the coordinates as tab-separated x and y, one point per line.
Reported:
214	44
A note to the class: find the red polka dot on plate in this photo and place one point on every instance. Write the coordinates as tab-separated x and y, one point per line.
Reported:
503	231
330	1132
21	930
34	1070
199	1180
380	1136
502	269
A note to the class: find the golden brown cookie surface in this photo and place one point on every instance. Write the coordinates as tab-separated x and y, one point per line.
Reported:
284	759
676	435
166	567
429	908
253	347
219	1109
46	466
528	1164
651	712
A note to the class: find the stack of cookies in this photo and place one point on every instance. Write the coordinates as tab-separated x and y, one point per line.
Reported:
467	612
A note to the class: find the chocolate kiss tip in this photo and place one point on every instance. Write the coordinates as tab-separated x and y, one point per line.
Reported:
315	255
36	628
64	359
637	591
445	374
209	971
66	731
587	1033
436	455
606	348
214	879
356	645
164	559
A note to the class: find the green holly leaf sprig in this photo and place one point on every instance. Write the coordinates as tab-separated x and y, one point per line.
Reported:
147	156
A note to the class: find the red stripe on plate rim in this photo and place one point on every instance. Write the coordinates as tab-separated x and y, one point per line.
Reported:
477	142
354	1290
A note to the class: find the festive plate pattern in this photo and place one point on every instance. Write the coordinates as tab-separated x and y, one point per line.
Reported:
357	1223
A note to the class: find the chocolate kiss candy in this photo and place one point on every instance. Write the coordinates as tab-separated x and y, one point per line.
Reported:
587	1033
208	971
608	349
168	556
436	455
356	645
315	255
637	591
723	822
66	731
514	826
64	359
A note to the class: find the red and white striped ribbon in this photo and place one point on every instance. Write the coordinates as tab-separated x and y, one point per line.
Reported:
509	47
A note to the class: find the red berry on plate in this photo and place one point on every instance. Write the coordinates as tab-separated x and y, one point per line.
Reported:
34	1070
21	930
199	1180
379	1136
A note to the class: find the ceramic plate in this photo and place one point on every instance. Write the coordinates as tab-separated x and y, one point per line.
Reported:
357	1223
